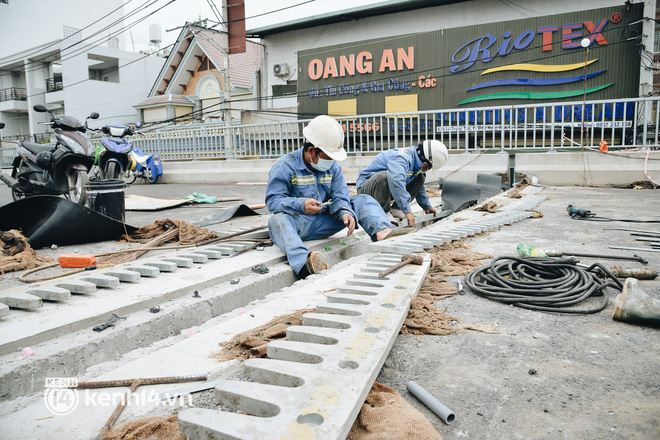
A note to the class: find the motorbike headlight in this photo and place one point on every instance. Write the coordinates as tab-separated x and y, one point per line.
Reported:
116	131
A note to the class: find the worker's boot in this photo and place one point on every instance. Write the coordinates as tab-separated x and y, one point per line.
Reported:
313	264
636	306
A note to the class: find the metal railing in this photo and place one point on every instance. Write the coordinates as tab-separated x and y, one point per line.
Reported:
622	123
13	94
53	85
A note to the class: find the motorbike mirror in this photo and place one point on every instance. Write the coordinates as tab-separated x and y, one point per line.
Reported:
40	108
94	115
2	125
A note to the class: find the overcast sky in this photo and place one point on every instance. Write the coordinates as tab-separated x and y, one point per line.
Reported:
180	11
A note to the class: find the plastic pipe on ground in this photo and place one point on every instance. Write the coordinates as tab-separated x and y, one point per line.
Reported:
431	402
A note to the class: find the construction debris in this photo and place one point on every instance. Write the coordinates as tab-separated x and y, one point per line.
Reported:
252	343
110	322
385	415
161	428
17	254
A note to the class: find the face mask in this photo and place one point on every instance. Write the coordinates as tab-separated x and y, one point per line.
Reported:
323	164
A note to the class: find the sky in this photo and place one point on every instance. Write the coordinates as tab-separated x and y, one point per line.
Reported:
178	12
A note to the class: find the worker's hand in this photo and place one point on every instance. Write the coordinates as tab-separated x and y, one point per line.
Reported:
312	206
411	218
432	210
349	221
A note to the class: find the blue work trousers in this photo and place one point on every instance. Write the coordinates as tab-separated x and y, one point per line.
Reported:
289	231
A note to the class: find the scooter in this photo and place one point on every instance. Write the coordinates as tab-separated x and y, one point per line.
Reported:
112	157
147	167
47	169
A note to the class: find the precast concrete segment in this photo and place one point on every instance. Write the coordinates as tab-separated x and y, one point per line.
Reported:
163	266
348	299
50	293
100	280
4	310
526	203
180	261
77	286
195	257
145	271
21	301
314	383
210	254
125	276
223	250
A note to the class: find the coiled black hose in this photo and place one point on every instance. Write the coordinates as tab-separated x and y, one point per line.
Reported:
544	284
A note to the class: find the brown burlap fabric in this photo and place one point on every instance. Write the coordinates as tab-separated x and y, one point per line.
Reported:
243	345
17	254
188	233
150	428
424	318
386	415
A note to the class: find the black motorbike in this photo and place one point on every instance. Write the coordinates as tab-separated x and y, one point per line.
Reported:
47	169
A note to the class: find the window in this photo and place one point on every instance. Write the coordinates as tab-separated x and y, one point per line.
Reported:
206	64
103	68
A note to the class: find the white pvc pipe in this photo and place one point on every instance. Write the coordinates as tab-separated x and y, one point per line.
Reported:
431	402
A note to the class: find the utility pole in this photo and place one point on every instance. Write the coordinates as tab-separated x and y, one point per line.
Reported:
227	106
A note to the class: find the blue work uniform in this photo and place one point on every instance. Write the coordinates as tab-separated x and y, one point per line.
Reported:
290	183
403	166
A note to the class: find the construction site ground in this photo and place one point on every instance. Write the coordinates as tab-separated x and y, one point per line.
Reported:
537	376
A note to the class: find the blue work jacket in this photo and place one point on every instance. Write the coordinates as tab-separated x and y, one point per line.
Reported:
402	166
290	183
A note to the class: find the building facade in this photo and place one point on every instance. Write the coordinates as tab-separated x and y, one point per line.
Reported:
406	56
69	66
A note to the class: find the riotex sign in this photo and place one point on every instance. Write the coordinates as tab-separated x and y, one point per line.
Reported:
505	63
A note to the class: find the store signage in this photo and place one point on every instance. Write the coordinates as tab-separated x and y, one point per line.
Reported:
362	63
486	47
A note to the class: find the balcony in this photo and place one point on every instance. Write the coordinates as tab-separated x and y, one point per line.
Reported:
13	94
54	84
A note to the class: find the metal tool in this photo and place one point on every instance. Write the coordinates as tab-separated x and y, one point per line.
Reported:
634	249
134	384
554	253
405	260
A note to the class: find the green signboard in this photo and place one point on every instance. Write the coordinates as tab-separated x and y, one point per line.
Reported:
529	61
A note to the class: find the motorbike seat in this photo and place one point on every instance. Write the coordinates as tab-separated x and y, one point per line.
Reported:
37	148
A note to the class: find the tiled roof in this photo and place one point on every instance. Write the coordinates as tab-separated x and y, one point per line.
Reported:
241	65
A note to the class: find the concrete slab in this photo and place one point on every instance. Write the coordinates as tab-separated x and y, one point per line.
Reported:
78	286
162	265
21	301
143	270
180	261
125	276
50	293
100	280
4	310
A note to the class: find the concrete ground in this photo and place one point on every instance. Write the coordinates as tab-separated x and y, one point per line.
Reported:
593	377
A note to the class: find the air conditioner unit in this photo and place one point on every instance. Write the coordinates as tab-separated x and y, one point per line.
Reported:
281	69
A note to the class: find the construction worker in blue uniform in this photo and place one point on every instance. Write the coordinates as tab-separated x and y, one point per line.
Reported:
309	199
398	175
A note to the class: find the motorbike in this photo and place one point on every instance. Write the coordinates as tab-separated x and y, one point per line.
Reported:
112	157
147	167
59	169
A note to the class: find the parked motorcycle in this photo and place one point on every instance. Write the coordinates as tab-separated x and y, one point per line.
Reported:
147	167
112	157
59	169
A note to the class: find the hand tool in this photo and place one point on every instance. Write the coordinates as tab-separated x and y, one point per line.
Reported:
405	260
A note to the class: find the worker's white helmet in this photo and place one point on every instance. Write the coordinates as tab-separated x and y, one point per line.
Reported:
325	133
434	152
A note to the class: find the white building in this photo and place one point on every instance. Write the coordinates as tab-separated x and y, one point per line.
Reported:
51	57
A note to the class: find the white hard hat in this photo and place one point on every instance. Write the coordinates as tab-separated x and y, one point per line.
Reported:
325	133
434	152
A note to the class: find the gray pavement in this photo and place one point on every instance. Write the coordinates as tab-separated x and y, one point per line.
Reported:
593	377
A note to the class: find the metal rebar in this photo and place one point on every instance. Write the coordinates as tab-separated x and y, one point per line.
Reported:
635	249
134	384
235	234
552	253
